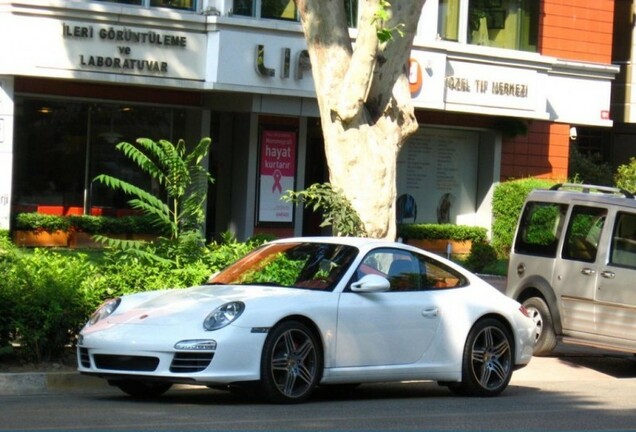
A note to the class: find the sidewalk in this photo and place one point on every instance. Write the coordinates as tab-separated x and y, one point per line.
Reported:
47	382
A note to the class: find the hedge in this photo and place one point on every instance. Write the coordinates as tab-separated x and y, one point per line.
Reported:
507	202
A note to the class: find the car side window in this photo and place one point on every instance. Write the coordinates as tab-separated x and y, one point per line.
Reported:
623	250
407	271
540	228
584	233
400	267
439	276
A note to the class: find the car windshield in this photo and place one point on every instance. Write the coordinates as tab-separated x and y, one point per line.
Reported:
317	266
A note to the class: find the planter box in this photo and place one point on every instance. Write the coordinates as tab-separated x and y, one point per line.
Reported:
82	240
440	246
41	238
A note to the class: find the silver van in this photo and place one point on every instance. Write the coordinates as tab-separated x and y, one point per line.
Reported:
573	266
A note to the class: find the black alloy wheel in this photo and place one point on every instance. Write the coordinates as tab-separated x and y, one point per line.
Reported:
291	364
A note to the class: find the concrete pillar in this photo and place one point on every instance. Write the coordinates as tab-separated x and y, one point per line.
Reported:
6	148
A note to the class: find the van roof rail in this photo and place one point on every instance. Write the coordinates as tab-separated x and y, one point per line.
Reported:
587	188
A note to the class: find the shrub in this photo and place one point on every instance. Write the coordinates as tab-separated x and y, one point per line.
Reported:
589	169
626	176
41	222
126	274
507	202
481	256
8	259
49	306
442	231
228	250
47	296
87	223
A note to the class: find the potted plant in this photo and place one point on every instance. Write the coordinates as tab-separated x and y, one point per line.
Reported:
442	238
41	230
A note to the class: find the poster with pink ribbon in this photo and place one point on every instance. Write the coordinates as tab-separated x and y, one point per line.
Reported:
277	173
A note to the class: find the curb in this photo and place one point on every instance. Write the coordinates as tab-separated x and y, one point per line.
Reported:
47	382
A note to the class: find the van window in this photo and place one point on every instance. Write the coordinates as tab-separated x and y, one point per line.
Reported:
623	251
540	228
583	233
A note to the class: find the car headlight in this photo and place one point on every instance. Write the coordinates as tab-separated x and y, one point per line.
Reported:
223	315
107	308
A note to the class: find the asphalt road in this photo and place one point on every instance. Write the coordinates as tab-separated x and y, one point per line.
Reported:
575	390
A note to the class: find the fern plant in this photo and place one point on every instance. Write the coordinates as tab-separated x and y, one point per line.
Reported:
184	180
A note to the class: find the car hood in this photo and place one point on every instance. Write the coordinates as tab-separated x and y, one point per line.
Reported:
176	307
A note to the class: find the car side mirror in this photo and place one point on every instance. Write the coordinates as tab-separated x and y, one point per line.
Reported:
370	284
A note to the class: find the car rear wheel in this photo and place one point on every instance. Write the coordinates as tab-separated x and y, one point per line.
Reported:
487	363
291	364
142	389
544	336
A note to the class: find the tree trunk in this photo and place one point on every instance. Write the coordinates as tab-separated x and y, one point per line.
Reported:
365	103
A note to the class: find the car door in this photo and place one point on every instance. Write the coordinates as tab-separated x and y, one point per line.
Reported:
616	292
388	328
576	271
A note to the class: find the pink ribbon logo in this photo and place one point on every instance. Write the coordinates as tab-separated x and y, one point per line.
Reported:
277	176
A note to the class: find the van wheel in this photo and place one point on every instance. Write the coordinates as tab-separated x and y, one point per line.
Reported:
544	336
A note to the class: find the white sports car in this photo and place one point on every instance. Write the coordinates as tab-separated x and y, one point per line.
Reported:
303	312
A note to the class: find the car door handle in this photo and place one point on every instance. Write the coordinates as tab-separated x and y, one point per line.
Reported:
587	271
608	274
430	312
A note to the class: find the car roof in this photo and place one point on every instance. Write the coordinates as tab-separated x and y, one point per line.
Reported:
567	192
351	241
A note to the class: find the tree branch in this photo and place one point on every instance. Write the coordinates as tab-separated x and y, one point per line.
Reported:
357	80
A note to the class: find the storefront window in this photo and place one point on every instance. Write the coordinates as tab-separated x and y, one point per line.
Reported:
508	24
62	146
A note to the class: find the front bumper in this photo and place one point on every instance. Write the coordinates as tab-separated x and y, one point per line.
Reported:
137	351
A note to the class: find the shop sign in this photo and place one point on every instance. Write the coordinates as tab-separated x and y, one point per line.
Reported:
302	63
277	174
131	54
492	86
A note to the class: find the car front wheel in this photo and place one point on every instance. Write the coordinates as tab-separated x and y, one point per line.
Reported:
291	364
544	336
487	363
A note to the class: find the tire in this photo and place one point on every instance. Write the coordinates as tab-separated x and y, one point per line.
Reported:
142	389
487	362
291	363
544	336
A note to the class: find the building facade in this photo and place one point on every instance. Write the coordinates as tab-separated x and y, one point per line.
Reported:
499	86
